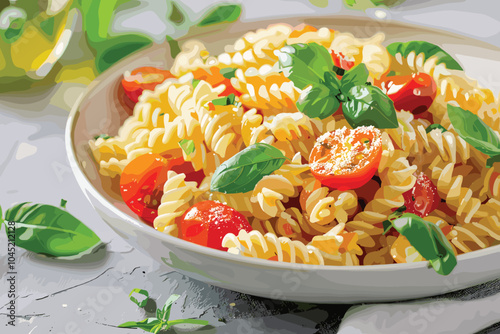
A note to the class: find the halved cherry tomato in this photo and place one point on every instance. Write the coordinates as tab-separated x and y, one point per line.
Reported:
142	78
213	77
142	180
414	93
423	198
341	61
346	159
206	223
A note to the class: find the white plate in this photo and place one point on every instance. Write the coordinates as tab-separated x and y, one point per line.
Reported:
100	111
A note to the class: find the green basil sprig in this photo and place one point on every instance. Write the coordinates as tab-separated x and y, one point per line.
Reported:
474	131
241	172
49	230
310	67
161	322
428	240
428	49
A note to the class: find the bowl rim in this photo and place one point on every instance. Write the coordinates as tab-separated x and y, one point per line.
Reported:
85	185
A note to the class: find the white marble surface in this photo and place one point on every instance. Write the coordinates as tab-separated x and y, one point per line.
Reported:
91	295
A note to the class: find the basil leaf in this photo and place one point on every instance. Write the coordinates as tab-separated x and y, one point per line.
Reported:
492	160
332	82
428	240
225	100
148	325
228	72
305	64
220	14
428	49
168	306
368	105
474	131
435	126
317	101
143	301
46	229
354	77
187	145
241	172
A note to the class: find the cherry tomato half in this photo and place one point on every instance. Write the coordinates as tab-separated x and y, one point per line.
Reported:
414	93
213	77
206	223
341	61
346	159
423	198
142	180
143	78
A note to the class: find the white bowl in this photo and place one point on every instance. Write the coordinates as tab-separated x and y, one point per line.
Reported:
100	111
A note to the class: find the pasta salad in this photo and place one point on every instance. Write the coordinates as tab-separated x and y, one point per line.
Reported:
312	146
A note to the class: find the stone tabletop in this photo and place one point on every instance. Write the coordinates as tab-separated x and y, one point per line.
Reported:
90	295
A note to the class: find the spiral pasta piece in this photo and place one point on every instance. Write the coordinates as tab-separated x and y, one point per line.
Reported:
338	247
178	196
269	246
256	48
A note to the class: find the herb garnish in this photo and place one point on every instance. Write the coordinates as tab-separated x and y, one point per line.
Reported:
310	67
161	321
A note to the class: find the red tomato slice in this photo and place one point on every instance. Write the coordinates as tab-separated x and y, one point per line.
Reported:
143	78
423	198
414	93
346	159
341	61
213	77
142	180
206	223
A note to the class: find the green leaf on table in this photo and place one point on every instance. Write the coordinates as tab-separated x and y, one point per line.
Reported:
317	101
368	105
148	325
165	313
241	172
187	145
354	77
428	49
428	240
63	203
305	64
49	230
474	131
143	293
228	72
220	14
435	126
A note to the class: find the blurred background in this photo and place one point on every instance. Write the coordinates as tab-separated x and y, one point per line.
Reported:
44	42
